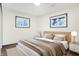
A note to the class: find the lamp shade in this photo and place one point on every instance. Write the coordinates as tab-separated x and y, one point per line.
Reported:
74	33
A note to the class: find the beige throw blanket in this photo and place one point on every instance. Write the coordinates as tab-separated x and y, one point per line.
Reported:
45	48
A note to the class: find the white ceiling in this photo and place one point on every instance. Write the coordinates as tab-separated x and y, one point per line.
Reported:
43	9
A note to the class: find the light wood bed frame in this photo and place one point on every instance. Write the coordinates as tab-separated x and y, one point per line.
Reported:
67	34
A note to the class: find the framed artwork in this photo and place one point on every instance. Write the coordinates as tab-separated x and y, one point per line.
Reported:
59	21
22	22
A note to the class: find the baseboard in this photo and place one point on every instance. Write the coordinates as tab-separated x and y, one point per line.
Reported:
9	45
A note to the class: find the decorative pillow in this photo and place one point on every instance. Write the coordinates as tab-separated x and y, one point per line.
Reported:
49	36
59	37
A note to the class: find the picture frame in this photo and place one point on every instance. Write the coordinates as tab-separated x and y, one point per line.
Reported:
59	21
22	22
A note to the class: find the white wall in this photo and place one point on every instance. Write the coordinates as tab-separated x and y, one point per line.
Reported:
42	23
10	33
0	28
73	21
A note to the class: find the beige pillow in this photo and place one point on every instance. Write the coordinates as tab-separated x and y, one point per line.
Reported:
49	36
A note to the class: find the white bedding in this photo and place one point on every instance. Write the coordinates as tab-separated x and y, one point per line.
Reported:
25	50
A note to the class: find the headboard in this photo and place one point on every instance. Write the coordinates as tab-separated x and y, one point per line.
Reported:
67	34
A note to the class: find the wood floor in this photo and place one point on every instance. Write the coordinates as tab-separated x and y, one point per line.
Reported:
4	49
5	53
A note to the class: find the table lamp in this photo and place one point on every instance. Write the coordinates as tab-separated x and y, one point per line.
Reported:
74	34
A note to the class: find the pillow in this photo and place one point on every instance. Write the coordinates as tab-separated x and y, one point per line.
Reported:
49	36
59	37
46	39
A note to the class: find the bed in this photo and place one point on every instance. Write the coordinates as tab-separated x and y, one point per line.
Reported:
45	46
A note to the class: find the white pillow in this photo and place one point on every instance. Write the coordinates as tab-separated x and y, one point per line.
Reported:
40	38
59	37
46	39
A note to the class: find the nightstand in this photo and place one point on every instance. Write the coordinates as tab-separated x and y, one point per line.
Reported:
74	46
